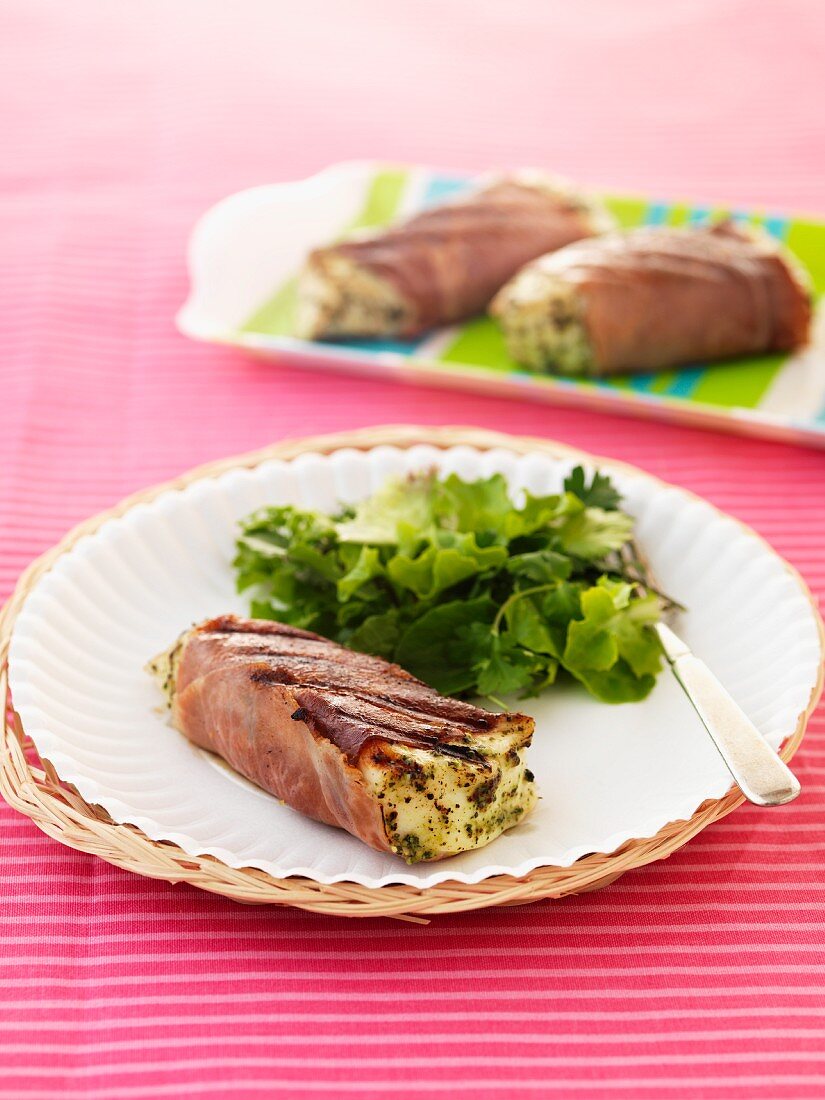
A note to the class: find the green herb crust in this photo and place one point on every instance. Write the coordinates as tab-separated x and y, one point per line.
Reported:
471	591
435	805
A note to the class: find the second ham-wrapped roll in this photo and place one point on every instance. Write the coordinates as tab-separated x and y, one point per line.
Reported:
444	264
653	298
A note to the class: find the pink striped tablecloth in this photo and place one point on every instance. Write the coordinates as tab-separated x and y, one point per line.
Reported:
700	977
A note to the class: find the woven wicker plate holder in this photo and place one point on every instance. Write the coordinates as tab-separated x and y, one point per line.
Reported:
32	786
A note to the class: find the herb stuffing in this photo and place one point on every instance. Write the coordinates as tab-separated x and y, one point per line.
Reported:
468	590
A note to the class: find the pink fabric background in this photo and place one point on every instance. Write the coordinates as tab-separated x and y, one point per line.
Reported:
700	977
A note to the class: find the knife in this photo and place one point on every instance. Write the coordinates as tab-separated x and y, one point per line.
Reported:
758	770
761	774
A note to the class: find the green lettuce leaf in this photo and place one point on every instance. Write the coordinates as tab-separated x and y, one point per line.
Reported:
437	568
599	493
441	649
611	648
592	533
395	512
506	669
366	568
377	634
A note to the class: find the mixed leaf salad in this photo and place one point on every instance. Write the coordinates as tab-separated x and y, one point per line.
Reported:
471	591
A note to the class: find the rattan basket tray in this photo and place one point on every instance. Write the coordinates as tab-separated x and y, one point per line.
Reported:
32	786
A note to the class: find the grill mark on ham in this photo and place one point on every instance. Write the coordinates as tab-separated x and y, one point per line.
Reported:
234	624
330	731
330	713
347	697
417	703
289	655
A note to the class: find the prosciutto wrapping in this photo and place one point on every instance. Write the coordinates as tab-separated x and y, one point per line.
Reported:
653	298
442	265
349	739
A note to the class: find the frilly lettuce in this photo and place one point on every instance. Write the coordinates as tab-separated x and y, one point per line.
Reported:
475	593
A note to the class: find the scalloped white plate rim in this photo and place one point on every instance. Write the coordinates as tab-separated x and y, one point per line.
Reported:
35	722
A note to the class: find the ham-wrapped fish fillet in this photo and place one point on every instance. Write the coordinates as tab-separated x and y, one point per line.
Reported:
349	739
445	263
653	298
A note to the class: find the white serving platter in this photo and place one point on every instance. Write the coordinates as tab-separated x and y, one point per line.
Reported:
245	252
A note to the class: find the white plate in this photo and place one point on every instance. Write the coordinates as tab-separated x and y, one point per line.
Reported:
606	774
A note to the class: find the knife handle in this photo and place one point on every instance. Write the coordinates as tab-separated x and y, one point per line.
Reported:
762	775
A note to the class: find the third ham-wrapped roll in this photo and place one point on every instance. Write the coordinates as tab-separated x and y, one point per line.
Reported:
653	298
445	263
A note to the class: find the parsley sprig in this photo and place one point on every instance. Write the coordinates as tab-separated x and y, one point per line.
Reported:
471	592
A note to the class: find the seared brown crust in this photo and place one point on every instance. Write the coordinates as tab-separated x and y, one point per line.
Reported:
449	261
347	697
657	297
294	713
